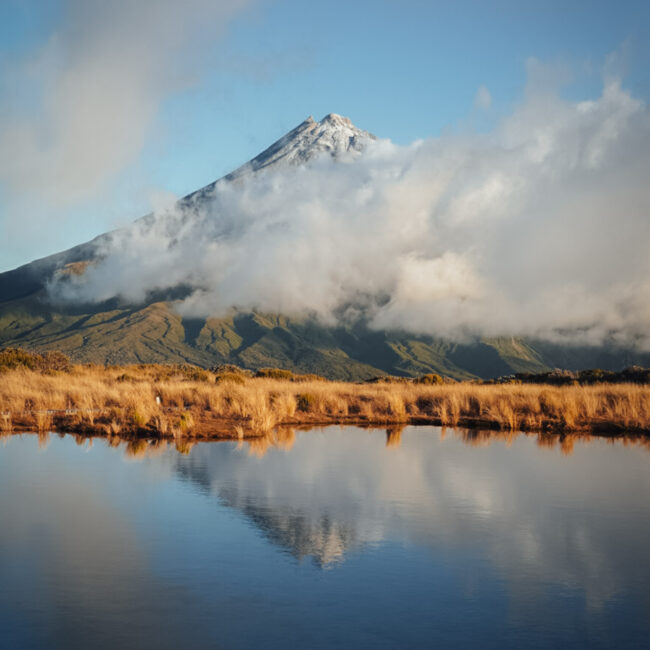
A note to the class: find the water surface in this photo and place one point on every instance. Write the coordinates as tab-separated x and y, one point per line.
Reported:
339	537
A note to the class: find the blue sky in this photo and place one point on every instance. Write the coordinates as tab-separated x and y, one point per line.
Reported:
220	87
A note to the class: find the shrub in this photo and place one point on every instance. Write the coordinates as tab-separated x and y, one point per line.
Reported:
179	371
12	358
233	377
193	373
429	379
557	377
387	379
306	378
596	376
56	361
125	377
275	373
636	375
230	368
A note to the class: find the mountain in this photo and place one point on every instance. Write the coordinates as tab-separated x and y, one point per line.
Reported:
333	135
152	331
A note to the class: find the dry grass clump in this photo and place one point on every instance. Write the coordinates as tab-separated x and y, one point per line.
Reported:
5	423
508	407
175	402
43	421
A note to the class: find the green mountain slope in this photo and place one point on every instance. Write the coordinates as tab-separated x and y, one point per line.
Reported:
156	333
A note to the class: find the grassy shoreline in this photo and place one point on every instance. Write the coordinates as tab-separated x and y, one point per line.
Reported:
189	403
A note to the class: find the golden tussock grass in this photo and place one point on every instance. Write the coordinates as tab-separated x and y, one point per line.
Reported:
155	402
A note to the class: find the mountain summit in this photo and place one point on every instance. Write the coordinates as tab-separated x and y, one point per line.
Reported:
334	135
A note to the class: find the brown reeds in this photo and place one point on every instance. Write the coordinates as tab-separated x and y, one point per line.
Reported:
155	402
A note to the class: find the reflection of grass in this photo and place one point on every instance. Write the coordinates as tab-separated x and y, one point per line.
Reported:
180	403
283	438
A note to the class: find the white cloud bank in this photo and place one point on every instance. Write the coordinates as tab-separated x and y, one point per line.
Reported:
77	112
540	228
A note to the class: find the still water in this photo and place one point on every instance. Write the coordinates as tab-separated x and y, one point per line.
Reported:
339	537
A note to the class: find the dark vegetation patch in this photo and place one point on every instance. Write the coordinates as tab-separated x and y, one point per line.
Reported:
429	379
388	379
305	402
286	375
557	377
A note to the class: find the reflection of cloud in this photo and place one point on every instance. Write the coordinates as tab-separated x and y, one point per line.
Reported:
429	530
539	517
77	566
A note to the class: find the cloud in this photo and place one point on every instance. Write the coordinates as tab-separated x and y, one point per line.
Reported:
89	97
539	228
483	98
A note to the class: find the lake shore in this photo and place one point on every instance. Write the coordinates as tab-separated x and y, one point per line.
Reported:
175	402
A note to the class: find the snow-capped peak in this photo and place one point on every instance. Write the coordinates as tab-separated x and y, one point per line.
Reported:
337	120
334	134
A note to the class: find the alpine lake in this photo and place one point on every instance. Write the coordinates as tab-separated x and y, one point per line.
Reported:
337	537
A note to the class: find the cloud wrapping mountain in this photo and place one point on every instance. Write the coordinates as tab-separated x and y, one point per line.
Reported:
538	228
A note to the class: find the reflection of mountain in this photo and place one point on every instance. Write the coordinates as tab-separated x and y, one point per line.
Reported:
290	525
304	535
538	516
